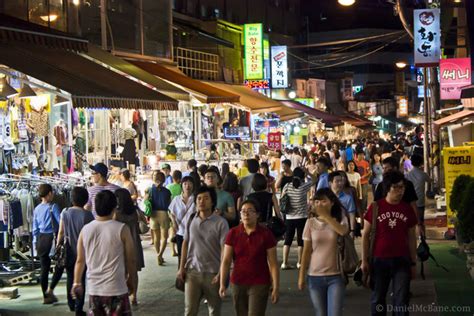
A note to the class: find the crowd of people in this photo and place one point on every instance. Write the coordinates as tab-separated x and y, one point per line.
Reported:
218	219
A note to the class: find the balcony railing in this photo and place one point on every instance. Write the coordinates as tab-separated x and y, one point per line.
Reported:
197	64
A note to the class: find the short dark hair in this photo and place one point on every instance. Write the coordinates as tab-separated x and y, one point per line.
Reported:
159	176
392	162
324	161
416	160
79	196
202	169
254	202
177	175
105	203
264	165
192	163
252	165
44	189
212	192
334	174
124	201
125	173
231	183
259	182
391	178
187	179
287	162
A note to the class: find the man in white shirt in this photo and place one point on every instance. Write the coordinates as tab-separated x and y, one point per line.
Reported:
180	209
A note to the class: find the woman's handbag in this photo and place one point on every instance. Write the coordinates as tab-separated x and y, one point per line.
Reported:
366	276
275	224
60	251
285	205
348	258
147	203
142	223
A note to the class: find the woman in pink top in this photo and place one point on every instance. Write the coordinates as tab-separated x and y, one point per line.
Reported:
325	282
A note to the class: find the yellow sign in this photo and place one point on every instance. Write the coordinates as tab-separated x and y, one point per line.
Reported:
253	40
457	161
296	140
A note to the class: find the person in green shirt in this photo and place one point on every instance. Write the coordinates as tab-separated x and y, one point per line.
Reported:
175	187
225	202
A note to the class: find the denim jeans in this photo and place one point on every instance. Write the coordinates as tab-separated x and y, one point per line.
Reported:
384	271
327	294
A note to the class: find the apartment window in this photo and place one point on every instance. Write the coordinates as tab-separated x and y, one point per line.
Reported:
49	13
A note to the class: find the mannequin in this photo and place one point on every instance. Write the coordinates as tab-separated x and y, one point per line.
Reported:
129	153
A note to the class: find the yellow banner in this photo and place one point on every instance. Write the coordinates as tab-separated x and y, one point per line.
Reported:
457	161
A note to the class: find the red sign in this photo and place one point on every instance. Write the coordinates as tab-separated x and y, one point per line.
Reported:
257	84
455	73
274	141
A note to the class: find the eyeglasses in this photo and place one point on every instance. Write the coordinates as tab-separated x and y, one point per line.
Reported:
247	212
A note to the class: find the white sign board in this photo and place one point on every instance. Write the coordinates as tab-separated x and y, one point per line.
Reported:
279	59
427	36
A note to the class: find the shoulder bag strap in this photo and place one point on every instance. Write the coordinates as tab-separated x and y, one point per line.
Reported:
373	228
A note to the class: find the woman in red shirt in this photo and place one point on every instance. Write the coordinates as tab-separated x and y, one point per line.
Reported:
252	248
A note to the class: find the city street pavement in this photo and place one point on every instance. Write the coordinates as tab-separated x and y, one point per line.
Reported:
157	295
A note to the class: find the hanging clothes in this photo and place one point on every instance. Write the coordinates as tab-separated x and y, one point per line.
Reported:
129	152
40	123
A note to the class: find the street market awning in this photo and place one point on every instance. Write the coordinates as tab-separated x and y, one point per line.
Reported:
90	84
131	70
327	118
454	118
205	92
16	30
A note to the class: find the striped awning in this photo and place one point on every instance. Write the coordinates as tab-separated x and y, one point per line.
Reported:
17	30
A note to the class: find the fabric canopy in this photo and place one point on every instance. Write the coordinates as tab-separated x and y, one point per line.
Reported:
17	30
259	103
129	69
453	118
205	92
90	84
327	118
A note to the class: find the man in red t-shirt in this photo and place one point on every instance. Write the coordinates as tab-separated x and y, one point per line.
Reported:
393	257
363	167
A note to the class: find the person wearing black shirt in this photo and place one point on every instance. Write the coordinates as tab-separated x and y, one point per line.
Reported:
266	201
286	176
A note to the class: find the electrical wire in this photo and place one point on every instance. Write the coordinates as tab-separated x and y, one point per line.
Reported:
358	57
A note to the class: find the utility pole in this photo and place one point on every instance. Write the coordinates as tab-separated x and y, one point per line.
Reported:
103	23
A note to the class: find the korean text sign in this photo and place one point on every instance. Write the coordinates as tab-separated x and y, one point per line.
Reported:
279	67
455	73
427	36
253	37
274	141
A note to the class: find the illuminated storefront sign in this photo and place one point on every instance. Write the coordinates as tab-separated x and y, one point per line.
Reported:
427	35
257	84
279	67
253	38
455	73
402	103
306	101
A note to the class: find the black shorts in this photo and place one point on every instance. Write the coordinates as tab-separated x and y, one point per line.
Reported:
421	214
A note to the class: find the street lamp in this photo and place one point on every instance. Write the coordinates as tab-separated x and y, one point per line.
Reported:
346	3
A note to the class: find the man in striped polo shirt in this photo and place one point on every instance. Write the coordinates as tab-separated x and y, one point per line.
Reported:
99	178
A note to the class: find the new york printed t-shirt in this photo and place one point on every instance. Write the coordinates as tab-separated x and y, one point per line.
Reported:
393	223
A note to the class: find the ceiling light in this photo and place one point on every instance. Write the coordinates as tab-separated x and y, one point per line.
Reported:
50	18
346	3
292	94
75	2
26	92
6	91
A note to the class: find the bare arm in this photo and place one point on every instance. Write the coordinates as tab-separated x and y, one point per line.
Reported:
352	220
338	227
230	214
60	233
275	273
130	258
184	254
276	206
225	268
77	286
365	246
279	179
307	250
412	243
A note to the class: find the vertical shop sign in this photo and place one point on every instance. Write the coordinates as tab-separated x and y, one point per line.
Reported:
274	141
279	67
402	103
253	38
455	73
457	161
266	60
427	35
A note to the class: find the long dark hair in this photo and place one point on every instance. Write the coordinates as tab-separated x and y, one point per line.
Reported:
124	202
337	209
298	177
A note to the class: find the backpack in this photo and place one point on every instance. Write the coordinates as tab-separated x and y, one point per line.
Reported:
423	253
